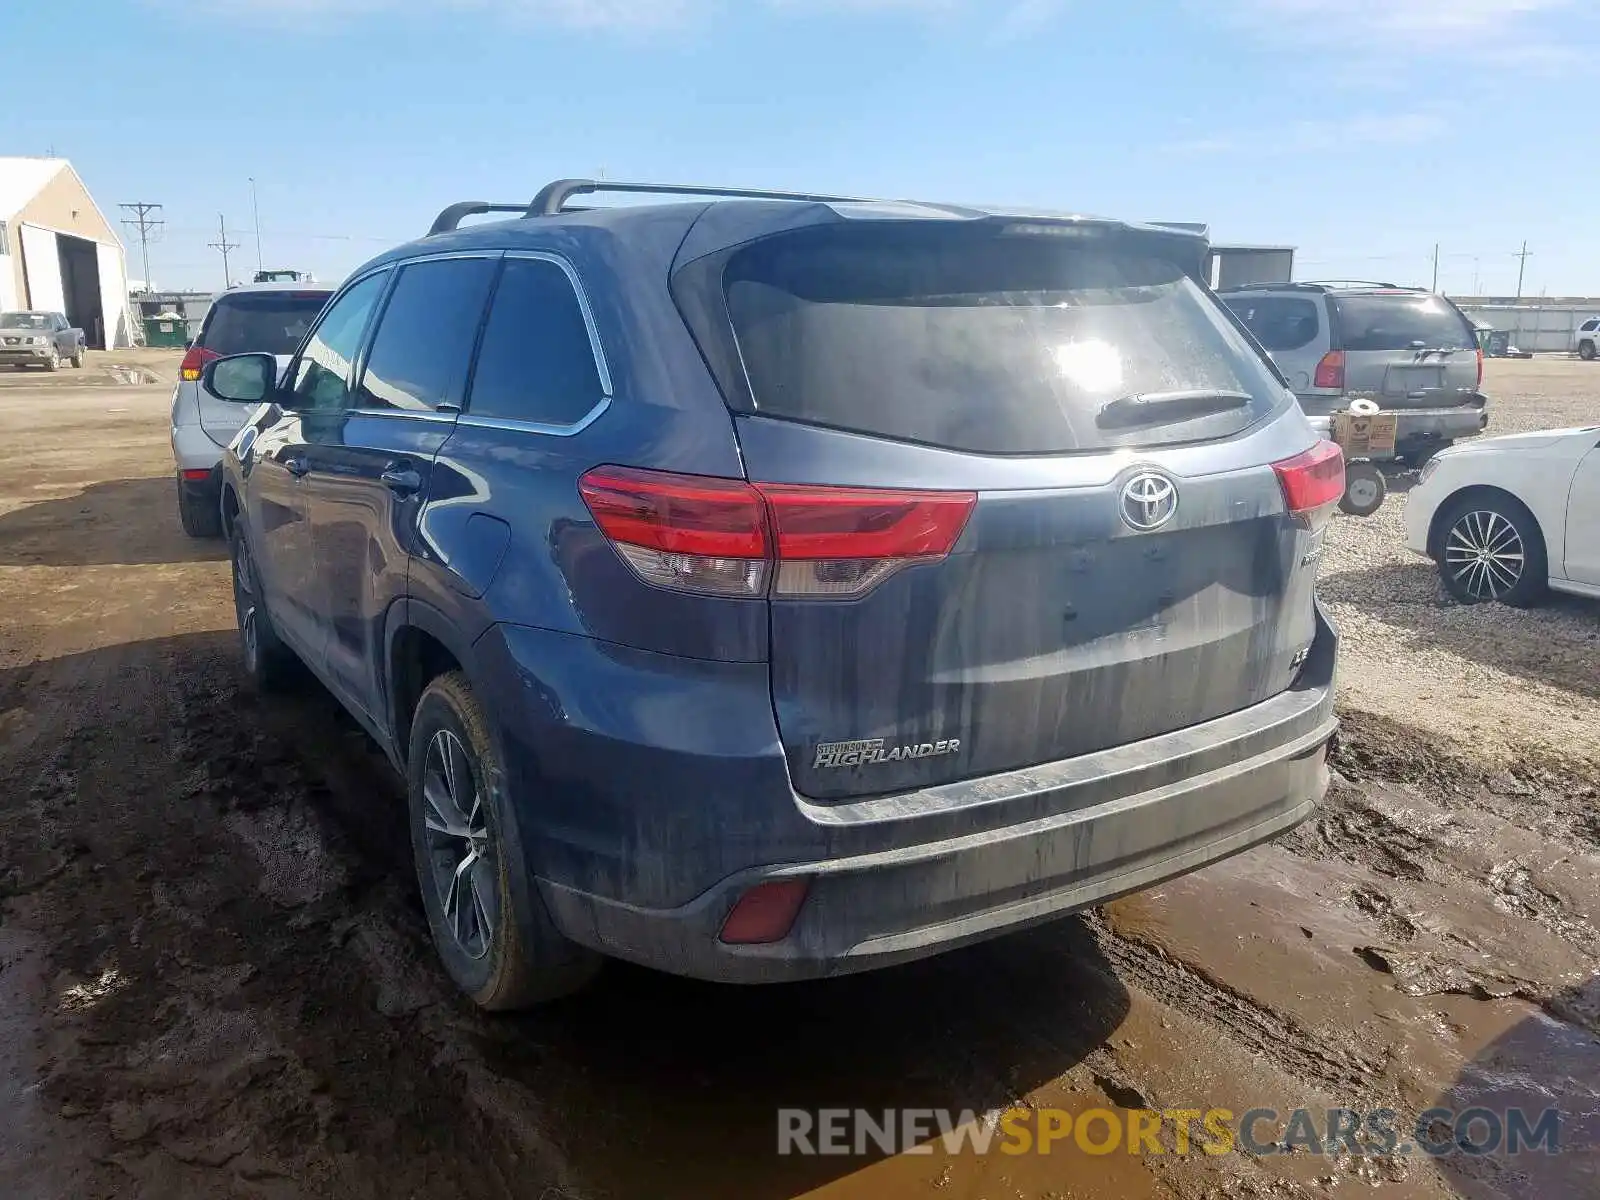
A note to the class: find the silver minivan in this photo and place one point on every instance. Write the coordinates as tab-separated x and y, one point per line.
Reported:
1410	351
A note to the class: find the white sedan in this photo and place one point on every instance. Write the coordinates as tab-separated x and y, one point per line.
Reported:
1508	517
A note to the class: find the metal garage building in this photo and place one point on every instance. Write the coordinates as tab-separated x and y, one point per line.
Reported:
58	252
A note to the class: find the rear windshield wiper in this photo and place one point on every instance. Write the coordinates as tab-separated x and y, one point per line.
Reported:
1149	408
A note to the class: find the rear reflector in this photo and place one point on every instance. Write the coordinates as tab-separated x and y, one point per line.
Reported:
1312	481
728	537
197	476
1330	371
194	361
765	913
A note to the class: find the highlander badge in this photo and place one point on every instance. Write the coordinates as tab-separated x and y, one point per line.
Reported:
869	751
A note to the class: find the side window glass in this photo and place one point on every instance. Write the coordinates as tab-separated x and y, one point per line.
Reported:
536	362
423	346
322	376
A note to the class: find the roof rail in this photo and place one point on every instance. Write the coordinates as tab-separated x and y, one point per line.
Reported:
450	218
553	197
1358	283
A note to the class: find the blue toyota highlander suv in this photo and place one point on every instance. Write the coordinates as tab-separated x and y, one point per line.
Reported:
760	586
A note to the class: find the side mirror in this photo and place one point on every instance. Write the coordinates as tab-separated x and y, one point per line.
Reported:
241	378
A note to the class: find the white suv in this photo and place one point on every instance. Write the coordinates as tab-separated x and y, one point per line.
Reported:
1586	339
267	318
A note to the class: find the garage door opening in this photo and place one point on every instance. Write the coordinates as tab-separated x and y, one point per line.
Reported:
80	288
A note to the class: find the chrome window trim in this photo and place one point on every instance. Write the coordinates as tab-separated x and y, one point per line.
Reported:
516	426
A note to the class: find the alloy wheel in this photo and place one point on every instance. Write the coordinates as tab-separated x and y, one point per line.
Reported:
1485	554
246	604
460	850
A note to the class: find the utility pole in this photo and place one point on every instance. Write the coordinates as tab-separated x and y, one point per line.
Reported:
1435	267
1522	265
144	220
255	214
222	243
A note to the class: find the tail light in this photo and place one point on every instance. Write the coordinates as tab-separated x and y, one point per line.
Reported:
194	361
1479	384
1312	483
1330	371
731	538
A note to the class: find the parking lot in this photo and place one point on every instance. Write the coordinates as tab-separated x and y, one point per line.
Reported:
217	979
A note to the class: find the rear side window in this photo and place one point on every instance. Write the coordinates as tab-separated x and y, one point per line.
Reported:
984	340
1401	322
536	362
261	322
423	345
1278	322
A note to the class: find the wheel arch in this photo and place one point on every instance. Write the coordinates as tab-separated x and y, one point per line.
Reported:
420	645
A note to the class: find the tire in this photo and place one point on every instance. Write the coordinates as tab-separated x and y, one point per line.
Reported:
53	363
270	664
489	924
1516	571
1364	489
78	359
1418	454
1586	351
200	520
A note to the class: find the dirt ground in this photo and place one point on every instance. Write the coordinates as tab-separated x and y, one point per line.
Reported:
215	979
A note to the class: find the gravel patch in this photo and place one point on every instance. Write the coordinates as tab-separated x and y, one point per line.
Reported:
1498	678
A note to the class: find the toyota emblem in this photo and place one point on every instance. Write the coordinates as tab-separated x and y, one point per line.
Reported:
1148	501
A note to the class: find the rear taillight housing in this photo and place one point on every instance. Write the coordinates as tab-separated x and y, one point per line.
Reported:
1330	371
727	537
1479	384
194	361
1312	483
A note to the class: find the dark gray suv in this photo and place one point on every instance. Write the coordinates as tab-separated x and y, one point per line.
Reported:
761	586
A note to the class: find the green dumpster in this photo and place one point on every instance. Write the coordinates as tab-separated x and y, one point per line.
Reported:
166	329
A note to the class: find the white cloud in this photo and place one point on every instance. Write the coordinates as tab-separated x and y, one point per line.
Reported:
1301	137
1013	19
1528	33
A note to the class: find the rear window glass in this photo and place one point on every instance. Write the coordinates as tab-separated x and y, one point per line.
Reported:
1278	322
261	323
1403	322
984	340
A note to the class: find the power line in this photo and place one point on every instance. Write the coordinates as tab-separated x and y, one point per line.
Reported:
146	223
222	243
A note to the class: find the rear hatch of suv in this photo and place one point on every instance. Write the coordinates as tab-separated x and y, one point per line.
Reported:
1407	349
248	322
1027	489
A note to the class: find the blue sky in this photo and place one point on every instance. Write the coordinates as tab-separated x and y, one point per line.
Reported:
1361	131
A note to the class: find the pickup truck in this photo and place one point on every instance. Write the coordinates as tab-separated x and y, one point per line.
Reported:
40	339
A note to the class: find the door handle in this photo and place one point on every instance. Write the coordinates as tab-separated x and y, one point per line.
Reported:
401	478
296	466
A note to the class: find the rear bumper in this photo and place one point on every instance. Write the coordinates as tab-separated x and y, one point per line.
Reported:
1441	424
901	877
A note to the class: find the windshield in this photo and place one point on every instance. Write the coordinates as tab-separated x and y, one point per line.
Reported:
986	341
262	322
23	320
1404	321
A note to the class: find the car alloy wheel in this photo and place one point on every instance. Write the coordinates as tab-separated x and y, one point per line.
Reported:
460	848
246	604
1485	554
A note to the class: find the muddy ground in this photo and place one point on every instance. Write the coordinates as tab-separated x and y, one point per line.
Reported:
215	979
